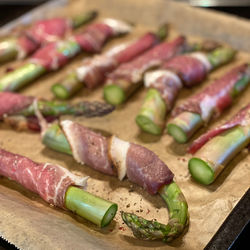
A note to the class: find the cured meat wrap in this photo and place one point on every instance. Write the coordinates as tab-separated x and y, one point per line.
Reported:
93	71
39	34
127	78
165	84
114	156
140	165
56	54
216	148
57	186
200	108
48	180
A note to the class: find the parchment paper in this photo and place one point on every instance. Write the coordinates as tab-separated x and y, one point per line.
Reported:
30	223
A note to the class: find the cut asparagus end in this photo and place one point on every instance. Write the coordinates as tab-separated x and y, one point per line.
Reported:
83	19
147	125
68	87
8	50
114	94
177	132
183	126
153	230
152	114
55	139
212	157
95	209
201	171
21	77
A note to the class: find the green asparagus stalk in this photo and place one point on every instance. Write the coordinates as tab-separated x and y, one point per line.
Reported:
183	126
153	230
213	157
20	77
151	117
95	209
9	46
52	108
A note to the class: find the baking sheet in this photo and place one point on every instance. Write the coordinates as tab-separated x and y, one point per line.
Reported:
30	223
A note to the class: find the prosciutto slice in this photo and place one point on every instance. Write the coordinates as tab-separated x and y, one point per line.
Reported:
241	118
155	57
115	156
187	70
42	32
92	39
93	70
88	147
11	103
48	180
211	101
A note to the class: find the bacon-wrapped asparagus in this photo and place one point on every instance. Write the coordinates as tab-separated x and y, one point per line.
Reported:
93	71
199	109
19	110
57	186
165	84
40	33
126	79
56	54
114	156
217	147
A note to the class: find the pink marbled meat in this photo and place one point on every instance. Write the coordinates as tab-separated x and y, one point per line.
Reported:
98	67
51	57
136	48
43	32
11	103
94	37
48	180
88	147
216	97
146	169
241	118
133	71
190	69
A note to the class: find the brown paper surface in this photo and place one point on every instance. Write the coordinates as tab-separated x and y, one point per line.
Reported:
30	223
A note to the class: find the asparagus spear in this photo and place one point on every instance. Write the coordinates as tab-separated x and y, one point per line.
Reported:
52	108
183	126
55	139
9	47
212	158
153	230
95	209
151	117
